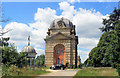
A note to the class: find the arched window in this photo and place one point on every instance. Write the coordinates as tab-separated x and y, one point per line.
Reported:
57	51
61	51
58	61
62	61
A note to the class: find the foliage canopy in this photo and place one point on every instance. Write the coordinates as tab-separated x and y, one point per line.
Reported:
107	51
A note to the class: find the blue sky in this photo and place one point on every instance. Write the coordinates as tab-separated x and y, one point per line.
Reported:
59	0
29	18
24	11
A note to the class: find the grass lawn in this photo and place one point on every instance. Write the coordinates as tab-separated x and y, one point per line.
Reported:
14	71
28	72
96	72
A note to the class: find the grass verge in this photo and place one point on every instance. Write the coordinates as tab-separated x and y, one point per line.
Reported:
15	71
96	72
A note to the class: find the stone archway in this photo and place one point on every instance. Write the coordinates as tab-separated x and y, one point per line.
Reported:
59	54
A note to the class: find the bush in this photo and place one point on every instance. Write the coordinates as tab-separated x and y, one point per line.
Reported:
5	71
9	70
114	65
118	69
71	66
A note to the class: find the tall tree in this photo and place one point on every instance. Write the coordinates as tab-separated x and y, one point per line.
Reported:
109	24
107	52
40	60
10	56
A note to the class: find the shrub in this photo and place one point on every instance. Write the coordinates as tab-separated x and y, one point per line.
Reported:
71	66
114	65
118	69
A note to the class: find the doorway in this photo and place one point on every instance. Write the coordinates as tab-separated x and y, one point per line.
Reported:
59	54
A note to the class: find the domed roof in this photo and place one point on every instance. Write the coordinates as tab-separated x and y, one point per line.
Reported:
67	23
28	49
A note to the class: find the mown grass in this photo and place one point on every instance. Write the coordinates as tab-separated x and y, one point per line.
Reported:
96	72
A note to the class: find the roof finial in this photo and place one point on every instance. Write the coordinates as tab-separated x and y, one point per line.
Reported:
28	40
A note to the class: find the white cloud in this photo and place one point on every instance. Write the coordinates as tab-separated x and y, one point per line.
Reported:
40	51
83	55
45	15
72	1
85	20
19	32
0	26
88	43
68	11
38	34
87	23
43	18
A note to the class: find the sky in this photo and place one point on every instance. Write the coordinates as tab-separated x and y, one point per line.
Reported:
59	1
34	18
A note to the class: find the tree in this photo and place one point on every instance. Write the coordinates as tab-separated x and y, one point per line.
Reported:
109	24
4	41
10	56
40	60
107	52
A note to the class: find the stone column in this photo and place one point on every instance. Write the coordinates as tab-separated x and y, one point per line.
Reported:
34	64
26	62
30	62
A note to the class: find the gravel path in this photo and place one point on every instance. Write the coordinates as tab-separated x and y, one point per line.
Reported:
60	73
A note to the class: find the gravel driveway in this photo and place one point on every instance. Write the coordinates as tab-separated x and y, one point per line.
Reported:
60	73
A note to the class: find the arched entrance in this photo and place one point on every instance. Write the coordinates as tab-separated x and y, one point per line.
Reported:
59	54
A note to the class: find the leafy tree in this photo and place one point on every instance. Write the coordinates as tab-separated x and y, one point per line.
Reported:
4	41
109	24
11	56
40	60
20	61
8	55
118	69
107	52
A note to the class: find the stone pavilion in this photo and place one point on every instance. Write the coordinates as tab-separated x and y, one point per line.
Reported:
61	43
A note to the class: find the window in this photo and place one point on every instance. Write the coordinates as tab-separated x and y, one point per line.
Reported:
58	61
57	51
61	61
61	52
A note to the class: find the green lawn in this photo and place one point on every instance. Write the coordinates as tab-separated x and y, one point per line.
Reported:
96	72
28	72
14	71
